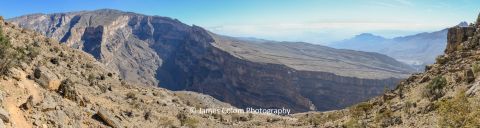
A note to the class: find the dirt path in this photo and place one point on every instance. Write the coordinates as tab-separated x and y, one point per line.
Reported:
18	94
16	115
31	87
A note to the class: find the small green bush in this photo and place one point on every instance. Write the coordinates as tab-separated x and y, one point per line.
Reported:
353	123
361	110
191	122
441	60
434	89
187	121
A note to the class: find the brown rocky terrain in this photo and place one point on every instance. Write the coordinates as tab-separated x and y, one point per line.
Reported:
160	51
447	94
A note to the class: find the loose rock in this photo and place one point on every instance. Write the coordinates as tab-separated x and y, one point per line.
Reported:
46	78
108	118
4	115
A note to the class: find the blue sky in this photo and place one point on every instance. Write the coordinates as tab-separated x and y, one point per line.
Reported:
315	21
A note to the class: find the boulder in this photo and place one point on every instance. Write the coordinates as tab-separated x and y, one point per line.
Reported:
46	78
473	89
4	115
2	125
28	104
67	90
108	118
425	79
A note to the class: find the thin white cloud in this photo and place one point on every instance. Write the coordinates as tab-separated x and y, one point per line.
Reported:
393	3
384	4
319	31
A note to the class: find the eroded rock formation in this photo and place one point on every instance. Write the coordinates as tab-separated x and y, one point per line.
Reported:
154	50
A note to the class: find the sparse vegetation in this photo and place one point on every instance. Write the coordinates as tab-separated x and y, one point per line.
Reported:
191	122
131	95
441	60
32	52
273	120
318	119
458	113
236	118
358	113
352	123
187	121
459	47
361	110
9	55
182	117
408	106
385	118
434	89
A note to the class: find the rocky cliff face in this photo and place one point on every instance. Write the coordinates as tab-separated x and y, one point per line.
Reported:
155	50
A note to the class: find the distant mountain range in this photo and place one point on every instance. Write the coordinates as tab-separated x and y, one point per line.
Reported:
416	50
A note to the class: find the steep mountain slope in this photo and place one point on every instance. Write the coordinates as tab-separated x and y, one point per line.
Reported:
447	94
417	50
57	86
154	50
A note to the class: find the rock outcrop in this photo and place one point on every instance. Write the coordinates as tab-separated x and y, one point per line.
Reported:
108	118
4	116
154	50
457	36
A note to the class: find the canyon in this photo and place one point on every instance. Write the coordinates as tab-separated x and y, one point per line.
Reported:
164	52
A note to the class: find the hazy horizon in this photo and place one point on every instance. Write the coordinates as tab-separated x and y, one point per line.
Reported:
318	22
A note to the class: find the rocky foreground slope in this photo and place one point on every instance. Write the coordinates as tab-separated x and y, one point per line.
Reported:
154	50
447	94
